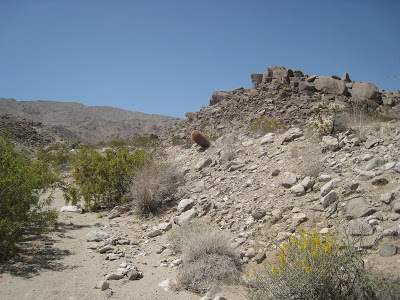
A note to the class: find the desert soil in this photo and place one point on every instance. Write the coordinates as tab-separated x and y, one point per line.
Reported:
60	265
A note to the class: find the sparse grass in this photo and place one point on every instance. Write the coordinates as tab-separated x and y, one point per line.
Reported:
154	186
263	125
315	266
207	255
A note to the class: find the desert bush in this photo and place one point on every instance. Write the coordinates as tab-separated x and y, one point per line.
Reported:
154	186
103	179
264	125
314	266
207	256
57	155
323	124
22	183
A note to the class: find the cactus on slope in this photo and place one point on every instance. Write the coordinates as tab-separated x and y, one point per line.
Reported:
200	139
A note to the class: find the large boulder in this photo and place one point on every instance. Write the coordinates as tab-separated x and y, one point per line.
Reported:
256	79
219	96
330	85
365	90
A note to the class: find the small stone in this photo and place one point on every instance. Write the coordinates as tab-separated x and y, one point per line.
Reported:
185	204
202	163
102	285
114	276
165	226
268	138
324	230
123	242
96	236
259	213
397	167
387	250
371	142
134	274
372	164
259	258
396	207
358	227
154	233
71	208
186	216
394	216
299	218
327	187
176	262
248	143
292	134
275	172
250	253
106	248
289	179
308	182
330	198
387	198
298	190
283	236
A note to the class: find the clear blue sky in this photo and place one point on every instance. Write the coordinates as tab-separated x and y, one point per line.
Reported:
169	56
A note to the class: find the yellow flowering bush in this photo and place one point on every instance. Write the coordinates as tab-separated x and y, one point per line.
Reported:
316	266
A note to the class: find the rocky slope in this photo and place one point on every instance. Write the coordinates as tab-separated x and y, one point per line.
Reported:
258	188
89	124
288	97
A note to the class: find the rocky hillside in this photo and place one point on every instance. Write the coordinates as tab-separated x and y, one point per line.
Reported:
287	97
26	134
89	124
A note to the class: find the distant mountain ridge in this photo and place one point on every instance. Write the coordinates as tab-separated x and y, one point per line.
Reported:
90	124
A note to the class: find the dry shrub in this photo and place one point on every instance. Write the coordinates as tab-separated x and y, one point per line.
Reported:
154	186
315	266
207	254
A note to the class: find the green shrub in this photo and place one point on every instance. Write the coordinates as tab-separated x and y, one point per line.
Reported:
154	186
103	179
264	125
314	266
57	155
22	208
207	257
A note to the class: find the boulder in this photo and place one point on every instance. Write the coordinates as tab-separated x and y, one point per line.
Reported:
256	79
291	134
358	207
191	115
289	179
96	236
184	205
365	90
359	227
219	96
330	85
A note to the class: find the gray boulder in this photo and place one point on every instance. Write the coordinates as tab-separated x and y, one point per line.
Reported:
358	207
330	85
218	97
365	90
96	236
291	134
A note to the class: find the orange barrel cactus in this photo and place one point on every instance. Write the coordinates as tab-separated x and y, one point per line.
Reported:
200	139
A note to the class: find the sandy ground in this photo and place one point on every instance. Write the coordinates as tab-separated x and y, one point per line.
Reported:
60	266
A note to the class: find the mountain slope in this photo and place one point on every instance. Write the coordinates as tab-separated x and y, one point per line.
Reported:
90	124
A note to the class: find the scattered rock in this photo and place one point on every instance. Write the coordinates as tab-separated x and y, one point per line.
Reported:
358	227
102	285
387	250
292	134
184	205
72	209
289	179
96	236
